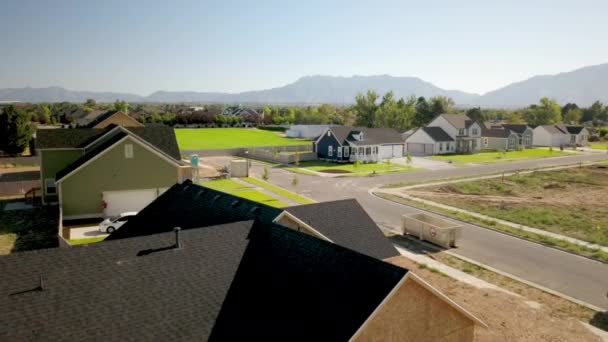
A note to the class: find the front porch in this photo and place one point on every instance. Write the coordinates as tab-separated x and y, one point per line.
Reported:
364	154
467	145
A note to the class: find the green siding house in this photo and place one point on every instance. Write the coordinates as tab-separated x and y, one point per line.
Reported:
95	173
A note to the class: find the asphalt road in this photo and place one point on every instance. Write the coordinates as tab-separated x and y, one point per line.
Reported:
575	276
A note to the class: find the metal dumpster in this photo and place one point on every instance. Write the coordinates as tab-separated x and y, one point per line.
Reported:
430	228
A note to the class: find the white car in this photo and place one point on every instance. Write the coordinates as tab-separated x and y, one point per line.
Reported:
110	224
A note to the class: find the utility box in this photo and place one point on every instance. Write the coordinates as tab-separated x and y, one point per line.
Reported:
430	228
238	168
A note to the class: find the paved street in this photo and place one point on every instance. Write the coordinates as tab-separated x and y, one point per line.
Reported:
575	276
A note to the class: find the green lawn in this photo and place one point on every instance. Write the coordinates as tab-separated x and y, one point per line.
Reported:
279	191
350	168
234	188
599	146
497	157
86	241
224	138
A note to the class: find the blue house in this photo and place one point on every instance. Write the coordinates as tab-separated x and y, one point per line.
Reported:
368	145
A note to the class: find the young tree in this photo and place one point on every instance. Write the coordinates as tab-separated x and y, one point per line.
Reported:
265	174
295	181
90	103
441	104
475	114
573	116
423	114
121	106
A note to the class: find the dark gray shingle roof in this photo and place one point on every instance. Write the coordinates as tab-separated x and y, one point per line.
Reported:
437	133
227	282
519	129
497	133
346	223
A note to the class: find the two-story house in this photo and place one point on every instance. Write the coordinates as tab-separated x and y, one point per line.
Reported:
447	133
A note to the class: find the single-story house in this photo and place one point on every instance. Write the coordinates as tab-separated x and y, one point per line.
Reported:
560	135
430	141
306	131
94	173
368	145
499	139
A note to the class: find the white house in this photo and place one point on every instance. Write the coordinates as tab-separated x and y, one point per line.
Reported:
465	135
560	135
429	141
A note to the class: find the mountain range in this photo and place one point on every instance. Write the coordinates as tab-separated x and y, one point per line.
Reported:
582	86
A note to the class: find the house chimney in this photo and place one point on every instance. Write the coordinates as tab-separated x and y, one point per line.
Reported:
178	242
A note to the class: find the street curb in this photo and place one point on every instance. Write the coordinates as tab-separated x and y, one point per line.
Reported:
529	283
496	230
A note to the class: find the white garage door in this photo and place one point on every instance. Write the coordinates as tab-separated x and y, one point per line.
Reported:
397	151
117	202
416	149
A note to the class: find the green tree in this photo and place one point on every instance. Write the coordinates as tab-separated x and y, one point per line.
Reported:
573	116
546	113
441	104
15	130
121	106
424	114
515	118
476	114
44	116
90	103
365	108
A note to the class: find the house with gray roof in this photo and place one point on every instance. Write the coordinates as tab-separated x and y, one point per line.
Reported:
500	139
344	144
96	173
560	135
464	136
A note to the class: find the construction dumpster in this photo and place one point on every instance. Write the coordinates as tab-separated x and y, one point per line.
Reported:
431	228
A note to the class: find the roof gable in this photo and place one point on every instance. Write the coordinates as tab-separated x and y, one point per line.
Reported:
458	120
437	134
109	118
331	291
346	223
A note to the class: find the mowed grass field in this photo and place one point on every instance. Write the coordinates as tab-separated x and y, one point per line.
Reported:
225	138
498	157
569	202
599	146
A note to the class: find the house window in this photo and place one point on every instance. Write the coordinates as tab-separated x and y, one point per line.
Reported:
461	131
329	133
339	152
346	151
128	151
440	147
527	139
368	151
330	151
49	185
362	151
485	141
475	131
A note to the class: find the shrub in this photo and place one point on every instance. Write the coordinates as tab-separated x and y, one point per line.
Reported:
265	174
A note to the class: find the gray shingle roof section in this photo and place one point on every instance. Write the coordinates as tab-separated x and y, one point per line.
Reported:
497	133
437	133
574	129
107	292
519	129
458	120
293	286
371	136
190	205
227	282
347	224
555	129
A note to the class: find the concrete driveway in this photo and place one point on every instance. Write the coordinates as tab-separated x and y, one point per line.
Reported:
86	232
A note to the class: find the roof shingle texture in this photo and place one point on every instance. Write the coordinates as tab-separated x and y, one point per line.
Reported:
371	136
437	133
346	223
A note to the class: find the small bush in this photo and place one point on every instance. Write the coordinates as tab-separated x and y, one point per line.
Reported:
265	174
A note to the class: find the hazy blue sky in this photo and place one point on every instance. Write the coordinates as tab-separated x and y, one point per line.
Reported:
143	46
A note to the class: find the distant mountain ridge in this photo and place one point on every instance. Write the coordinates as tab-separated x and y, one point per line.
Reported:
582	86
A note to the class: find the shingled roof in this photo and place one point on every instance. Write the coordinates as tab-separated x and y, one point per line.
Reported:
346	223
67	137
437	133
371	136
519	129
188	205
225	282
497	133
458	120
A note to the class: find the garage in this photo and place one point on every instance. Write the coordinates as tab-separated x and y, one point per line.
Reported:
116	202
390	151
419	149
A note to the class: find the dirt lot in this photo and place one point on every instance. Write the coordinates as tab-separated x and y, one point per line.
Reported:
570	202
527	315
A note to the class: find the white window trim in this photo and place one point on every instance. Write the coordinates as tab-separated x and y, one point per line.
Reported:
129	151
339	151
330	151
346	151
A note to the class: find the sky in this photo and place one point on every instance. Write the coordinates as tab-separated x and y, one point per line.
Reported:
232	46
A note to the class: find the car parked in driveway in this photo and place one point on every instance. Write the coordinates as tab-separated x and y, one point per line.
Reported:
110	224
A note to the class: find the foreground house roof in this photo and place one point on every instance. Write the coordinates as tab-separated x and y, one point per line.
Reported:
189	205
346	223
371	136
224	282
